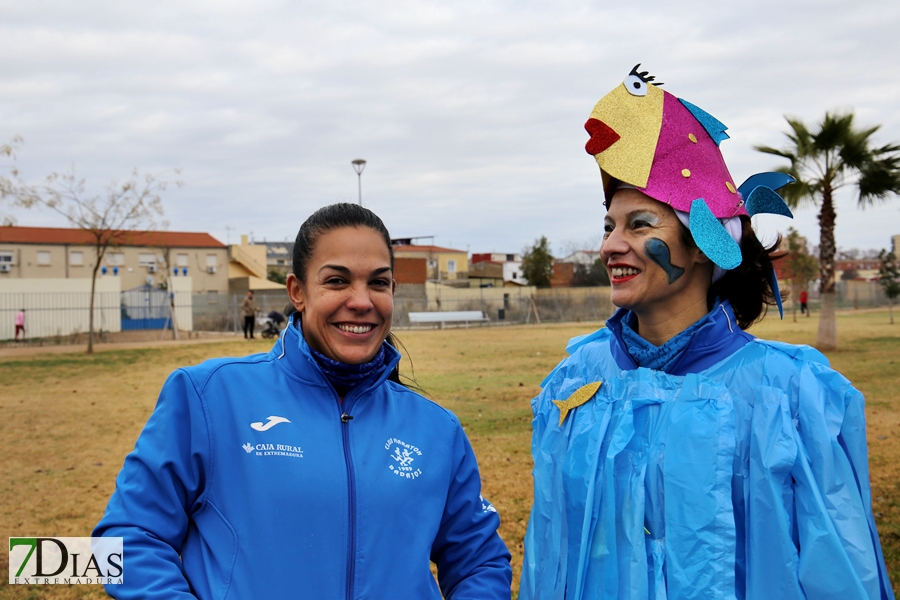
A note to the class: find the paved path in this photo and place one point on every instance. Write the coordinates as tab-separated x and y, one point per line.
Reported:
23	351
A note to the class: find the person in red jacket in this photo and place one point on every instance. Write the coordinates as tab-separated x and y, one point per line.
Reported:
804	308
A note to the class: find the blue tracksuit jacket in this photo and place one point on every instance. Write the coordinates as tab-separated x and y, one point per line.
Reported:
253	480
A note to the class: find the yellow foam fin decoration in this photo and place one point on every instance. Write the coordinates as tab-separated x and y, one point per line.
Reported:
578	397
637	120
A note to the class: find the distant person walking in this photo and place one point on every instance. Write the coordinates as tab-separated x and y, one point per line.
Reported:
804	298
249	309
20	324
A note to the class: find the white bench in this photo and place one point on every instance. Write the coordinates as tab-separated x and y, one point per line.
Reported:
448	316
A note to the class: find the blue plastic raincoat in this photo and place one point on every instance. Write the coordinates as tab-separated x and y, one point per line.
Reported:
742	473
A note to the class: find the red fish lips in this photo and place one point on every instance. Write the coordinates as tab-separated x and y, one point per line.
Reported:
602	136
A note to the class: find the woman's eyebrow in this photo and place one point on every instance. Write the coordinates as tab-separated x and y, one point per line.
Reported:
345	271
642	211
338	268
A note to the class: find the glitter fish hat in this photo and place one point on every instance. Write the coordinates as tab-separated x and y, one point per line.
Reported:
668	149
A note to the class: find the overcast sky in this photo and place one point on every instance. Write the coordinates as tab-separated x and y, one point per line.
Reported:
470	115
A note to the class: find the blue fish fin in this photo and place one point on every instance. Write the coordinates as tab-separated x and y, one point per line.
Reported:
773	283
712	237
770	179
714	127
759	193
765	200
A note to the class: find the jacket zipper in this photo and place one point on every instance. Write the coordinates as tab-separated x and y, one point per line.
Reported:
351	491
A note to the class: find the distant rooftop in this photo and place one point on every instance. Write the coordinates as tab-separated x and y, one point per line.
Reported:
277	249
60	235
409	248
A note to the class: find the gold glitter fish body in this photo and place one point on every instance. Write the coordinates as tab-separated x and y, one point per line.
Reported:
578	397
668	149
622	144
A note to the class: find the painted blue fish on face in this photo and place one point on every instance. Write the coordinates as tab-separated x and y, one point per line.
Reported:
658	251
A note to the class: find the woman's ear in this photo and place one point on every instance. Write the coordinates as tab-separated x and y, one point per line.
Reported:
701	258
296	293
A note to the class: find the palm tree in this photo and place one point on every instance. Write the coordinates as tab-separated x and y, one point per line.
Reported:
834	155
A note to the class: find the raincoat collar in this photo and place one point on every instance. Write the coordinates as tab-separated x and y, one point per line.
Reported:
717	337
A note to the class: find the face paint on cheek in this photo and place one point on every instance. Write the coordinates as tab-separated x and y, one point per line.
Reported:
658	252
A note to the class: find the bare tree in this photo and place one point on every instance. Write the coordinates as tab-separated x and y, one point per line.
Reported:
109	218
164	258
569	247
8	187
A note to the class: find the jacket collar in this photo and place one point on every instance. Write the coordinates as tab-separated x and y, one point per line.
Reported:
717	337
292	352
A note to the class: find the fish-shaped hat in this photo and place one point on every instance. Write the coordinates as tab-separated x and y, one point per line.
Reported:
668	149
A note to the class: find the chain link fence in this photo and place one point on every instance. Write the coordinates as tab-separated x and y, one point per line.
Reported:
510	305
63	315
222	312
850	294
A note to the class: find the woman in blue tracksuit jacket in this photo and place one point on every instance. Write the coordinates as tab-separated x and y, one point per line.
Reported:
675	455
309	471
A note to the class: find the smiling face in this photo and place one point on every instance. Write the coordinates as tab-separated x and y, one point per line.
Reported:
347	300
652	271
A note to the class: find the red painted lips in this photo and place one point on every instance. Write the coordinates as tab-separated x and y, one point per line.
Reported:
602	136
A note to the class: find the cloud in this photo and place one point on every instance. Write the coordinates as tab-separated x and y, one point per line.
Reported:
470	117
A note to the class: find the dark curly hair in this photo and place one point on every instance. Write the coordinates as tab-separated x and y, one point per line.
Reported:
747	287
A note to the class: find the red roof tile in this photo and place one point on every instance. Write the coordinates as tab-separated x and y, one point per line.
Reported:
59	235
414	248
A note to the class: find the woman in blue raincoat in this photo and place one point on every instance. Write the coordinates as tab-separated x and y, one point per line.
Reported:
675	455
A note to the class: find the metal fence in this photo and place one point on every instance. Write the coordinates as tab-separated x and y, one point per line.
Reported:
59	315
49	315
513	305
849	294
222	312
145	307
65	314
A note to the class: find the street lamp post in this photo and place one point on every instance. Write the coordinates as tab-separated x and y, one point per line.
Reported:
358	166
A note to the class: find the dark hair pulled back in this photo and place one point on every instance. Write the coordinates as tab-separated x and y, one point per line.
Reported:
329	218
747	287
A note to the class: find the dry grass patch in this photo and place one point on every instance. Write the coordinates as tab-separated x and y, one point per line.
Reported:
67	421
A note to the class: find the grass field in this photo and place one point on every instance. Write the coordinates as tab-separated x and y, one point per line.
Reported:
68	420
